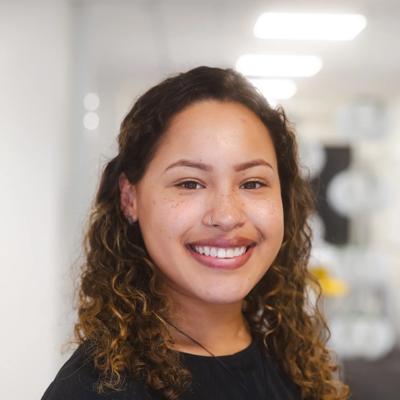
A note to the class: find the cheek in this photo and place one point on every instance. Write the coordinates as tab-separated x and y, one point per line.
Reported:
163	218
268	218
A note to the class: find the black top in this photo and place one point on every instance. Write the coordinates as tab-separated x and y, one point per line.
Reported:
248	374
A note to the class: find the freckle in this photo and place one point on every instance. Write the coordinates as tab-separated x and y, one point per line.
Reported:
176	204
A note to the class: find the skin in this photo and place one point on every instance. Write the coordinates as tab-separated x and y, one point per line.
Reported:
219	202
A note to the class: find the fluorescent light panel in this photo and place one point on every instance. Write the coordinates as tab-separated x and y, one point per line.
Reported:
307	26
275	89
266	65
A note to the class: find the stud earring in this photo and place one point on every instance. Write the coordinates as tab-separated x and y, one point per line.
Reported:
130	219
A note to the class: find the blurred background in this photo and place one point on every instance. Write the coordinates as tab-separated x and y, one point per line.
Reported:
70	70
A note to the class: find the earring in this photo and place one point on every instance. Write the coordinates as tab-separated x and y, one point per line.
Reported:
130	219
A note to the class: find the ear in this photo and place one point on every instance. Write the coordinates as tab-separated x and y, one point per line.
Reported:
128	199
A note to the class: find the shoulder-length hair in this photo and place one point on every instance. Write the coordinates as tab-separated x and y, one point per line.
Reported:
120	307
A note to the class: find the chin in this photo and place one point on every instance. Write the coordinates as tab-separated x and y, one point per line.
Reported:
223	296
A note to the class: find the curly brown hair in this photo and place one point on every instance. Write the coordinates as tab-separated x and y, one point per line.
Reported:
121	308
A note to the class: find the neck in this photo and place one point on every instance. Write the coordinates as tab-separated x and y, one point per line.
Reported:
220	328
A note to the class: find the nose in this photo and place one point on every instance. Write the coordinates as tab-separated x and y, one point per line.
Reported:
226	212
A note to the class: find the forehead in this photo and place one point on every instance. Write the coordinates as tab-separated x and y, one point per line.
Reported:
208	114
216	130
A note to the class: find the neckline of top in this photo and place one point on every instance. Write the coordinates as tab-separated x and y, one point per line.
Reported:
240	354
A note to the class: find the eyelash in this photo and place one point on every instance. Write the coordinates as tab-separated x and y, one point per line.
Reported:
180	185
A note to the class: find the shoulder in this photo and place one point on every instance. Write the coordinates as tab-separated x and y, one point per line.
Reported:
77	378
278	381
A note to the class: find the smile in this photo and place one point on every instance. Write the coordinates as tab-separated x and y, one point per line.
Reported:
220	252
221	258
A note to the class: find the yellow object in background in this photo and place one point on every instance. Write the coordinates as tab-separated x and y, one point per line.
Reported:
331	287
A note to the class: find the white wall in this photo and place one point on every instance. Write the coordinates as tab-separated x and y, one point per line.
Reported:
34	129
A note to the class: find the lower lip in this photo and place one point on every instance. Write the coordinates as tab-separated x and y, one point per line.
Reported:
222	263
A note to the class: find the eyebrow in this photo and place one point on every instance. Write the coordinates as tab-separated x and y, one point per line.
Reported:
205	167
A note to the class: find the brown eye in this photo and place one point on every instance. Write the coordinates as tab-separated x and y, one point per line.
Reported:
254	185
191	185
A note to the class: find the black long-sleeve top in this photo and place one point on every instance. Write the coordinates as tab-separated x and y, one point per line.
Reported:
247	375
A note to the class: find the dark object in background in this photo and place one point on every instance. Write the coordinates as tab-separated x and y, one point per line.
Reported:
336	226
374	380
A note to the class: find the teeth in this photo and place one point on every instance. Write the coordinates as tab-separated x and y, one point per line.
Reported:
220	252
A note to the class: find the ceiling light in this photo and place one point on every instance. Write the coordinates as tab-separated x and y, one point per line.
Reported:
275	89
309	26
91	121
264	65
91	101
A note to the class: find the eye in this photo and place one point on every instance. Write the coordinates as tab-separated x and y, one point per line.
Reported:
191	185
254	184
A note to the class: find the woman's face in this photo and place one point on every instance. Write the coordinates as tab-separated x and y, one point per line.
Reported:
212	188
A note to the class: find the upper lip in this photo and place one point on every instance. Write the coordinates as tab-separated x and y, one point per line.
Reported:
224	242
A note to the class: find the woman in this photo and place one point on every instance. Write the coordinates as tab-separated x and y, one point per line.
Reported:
195	282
